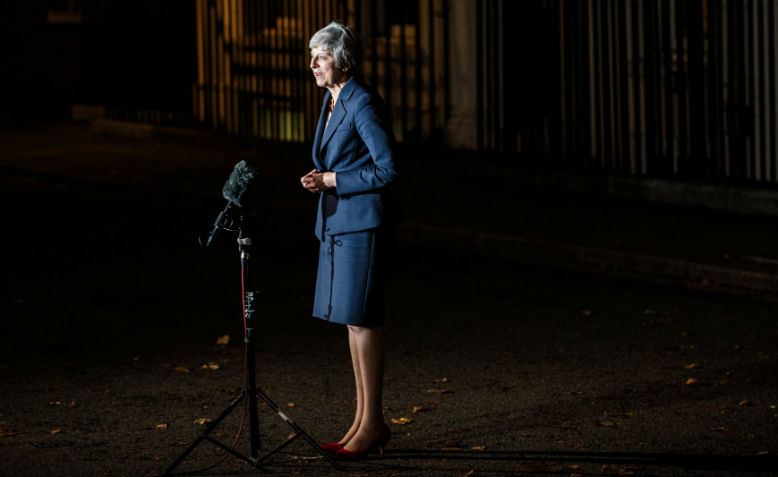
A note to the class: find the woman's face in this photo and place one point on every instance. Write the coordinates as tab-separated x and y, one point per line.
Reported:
324	70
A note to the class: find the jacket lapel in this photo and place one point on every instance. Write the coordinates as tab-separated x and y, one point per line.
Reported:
338	113
319	132
337	117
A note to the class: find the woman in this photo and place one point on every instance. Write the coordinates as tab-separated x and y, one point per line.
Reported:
355	177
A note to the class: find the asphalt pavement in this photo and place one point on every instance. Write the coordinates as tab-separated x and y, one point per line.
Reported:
502	360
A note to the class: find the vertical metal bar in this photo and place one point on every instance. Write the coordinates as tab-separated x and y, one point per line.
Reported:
578	77
763	112
669	93
479	76
630	79
592	82
612	50
252	13
214	61
654	100
488	62
446	63
275	68
748	89
600	80
641	73
308	93
676	50
500	76
774	83
300	69
768	80
418	74
403	70
725	96
199	110
578	87
431	77
388	57
715	132
232	60
562	82
373	44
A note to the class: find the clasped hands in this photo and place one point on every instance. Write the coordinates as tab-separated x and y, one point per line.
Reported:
317	181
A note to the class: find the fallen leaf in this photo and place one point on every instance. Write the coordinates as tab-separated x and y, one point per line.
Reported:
691	381
441	380
290	404
162	426
181	369
224	340
469	474
402	421
55	431
438	391
744	403
691	365
156	458
720	429
210	365
762	452
419	409
202	420
478	448
291	436
63	404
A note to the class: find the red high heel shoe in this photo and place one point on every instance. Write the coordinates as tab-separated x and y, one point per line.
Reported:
379	444
331	447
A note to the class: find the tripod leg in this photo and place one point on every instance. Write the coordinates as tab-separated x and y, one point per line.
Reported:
299	432
205	433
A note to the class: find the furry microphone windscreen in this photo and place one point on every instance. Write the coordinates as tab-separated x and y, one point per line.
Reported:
242	178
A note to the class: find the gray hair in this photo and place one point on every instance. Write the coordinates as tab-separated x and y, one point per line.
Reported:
343	42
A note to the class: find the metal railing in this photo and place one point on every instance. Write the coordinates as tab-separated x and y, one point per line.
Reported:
665	88
253	76
684	89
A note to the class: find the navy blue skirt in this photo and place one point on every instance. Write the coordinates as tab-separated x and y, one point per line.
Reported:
352	275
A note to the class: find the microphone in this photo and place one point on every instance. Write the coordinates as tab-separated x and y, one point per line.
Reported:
235	190
242	178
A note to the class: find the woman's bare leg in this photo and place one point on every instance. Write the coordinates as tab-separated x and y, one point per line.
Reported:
358	385
369	344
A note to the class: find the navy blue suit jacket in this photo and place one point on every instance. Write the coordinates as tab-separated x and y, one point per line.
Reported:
358	145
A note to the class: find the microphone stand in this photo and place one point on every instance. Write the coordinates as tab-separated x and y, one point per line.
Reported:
251	392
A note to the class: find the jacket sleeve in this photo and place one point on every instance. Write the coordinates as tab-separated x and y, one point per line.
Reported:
374	129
